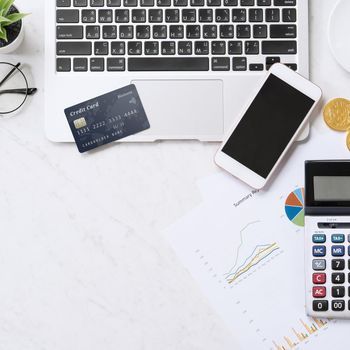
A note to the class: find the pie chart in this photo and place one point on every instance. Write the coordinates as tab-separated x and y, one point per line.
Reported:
294	207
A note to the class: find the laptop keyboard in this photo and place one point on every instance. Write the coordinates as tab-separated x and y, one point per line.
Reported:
175	35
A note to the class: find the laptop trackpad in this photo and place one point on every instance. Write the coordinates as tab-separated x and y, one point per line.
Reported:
183	108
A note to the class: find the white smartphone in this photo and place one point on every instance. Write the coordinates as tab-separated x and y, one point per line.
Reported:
268	126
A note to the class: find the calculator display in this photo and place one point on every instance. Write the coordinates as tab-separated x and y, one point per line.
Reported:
332	188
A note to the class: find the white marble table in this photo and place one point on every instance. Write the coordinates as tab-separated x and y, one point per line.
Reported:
83	263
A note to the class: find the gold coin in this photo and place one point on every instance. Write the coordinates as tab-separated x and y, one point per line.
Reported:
348	141
336	114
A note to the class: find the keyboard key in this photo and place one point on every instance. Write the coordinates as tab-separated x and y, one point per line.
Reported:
292	66
222	15
101	48
319	278
214	3
318	292
70	32
155	15
80	64
105	16
320	305
97	64
159	32
180	2
74	48
92	32
220	64
338	238
67	16
247	2
163	2
109	32
218	48
256	15
193	32
147	3
88	16
279	47
188	15
226	31
239	63
338	278
151	47
168	48
63	65
243	31
143	32
210	32
338	250
289	15
338	305
239	15
256	67
122	16
176	32
113	3
172	15
197	2
134	47
118	48
252	47
272	15
285	2
317	238
230	2
319	264
201	47
63	3
319	250
260	31
126	32
205	15
130	3
338	292
168	64
80	3
283	31
264	3
235	47
138	16
270	61
184	48
115	64
97	3
338	264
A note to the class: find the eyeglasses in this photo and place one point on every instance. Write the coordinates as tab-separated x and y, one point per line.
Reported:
14	89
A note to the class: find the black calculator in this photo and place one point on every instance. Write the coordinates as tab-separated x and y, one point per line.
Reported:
327	238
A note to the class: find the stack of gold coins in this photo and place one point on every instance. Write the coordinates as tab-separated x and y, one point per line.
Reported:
336	114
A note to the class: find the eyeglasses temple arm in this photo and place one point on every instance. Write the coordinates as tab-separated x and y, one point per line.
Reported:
30	91
11	72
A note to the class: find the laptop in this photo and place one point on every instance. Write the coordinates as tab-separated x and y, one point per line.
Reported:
194	62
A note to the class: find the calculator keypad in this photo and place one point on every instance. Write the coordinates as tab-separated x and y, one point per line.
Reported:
330	278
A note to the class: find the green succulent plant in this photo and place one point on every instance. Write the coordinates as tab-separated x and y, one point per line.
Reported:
7	18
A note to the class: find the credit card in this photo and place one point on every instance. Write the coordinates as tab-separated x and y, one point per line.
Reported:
107	118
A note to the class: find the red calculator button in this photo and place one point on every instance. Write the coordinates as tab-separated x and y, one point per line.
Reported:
319	292
319	278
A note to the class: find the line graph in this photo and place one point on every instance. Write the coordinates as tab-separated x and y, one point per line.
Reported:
261	252
249	252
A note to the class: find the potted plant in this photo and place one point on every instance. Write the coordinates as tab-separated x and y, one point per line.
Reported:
11	26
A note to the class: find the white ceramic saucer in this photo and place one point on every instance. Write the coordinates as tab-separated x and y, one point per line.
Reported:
339	33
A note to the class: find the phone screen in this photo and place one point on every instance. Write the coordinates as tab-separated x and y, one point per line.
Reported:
268	126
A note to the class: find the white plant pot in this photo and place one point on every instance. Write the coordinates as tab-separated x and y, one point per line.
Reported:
15	44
